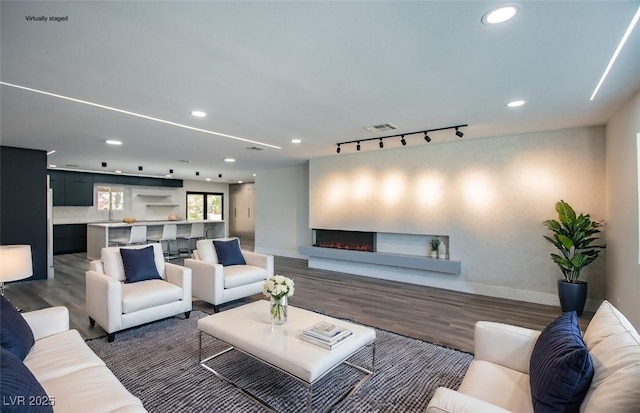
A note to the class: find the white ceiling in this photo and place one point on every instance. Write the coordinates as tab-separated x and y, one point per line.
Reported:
271	71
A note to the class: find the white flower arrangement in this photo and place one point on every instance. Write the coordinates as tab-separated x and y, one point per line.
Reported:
278	286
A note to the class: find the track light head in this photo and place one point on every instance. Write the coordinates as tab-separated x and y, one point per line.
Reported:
104	164
197	173
403	141
338	150
358	146
170	171
381	144
426	137
459	133
140	168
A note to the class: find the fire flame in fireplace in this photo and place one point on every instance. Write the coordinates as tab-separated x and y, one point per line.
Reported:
345	246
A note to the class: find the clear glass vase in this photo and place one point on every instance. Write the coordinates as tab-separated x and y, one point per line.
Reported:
278	310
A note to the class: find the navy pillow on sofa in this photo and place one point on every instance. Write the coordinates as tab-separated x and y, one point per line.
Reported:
560	369
19	389
15	334
139	264
228	252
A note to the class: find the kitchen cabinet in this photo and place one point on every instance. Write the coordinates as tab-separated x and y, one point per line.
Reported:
72	188
70	238
79	189
59	187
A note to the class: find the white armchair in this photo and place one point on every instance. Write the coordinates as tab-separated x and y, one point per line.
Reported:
116	305
217	284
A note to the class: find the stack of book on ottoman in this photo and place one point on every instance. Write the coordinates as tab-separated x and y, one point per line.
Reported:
325	335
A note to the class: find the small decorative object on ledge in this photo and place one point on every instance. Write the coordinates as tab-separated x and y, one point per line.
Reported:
278	288
129	220
442	251
435	243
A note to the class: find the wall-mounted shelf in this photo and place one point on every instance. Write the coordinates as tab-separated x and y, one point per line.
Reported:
156	196
162	205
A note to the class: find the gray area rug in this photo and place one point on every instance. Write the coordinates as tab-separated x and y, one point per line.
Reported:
158	363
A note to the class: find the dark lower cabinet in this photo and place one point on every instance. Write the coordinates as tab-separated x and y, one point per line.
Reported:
69	238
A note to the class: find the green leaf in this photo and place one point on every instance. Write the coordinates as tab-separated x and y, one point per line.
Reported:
566	241
566	214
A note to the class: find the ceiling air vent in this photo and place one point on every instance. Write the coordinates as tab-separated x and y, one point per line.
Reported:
383	127
254	148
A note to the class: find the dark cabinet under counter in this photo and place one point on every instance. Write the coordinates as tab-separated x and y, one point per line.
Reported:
69	238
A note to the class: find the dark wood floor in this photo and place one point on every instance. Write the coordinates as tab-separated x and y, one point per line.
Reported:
431	314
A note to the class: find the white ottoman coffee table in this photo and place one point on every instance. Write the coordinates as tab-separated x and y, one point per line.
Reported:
248	329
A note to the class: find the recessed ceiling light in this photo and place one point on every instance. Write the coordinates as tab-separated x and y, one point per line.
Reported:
295	140
113	142
254	174
167	176
229	160
239	182
501	14
118	172
198	113
51	152
53	166
515	103
208	179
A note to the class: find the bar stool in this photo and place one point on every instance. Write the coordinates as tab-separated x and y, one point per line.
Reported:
169	232
137	235
197	233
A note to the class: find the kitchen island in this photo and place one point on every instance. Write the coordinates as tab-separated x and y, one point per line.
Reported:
99	234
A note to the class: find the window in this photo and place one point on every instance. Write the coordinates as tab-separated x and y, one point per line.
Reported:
108	198
204	206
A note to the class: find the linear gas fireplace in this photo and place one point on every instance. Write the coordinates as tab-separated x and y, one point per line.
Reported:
346	240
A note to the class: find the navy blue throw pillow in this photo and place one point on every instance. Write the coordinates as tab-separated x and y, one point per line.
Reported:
229	252
139	264
20	390
560	369
15	334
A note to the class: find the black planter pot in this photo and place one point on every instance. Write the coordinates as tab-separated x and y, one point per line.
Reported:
573	296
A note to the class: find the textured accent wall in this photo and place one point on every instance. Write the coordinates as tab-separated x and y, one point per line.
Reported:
488	195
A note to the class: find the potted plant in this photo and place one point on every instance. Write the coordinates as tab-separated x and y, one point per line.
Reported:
574	236
435	243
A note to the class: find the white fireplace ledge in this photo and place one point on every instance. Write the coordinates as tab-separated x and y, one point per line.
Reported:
385	258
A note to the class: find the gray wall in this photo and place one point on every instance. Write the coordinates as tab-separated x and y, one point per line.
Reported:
623	255
282	211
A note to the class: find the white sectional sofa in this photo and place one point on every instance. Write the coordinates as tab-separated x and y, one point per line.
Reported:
498	377
72	375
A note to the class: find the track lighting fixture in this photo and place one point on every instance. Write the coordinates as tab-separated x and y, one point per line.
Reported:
139	168
104	164
402	137
170	171
197	173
